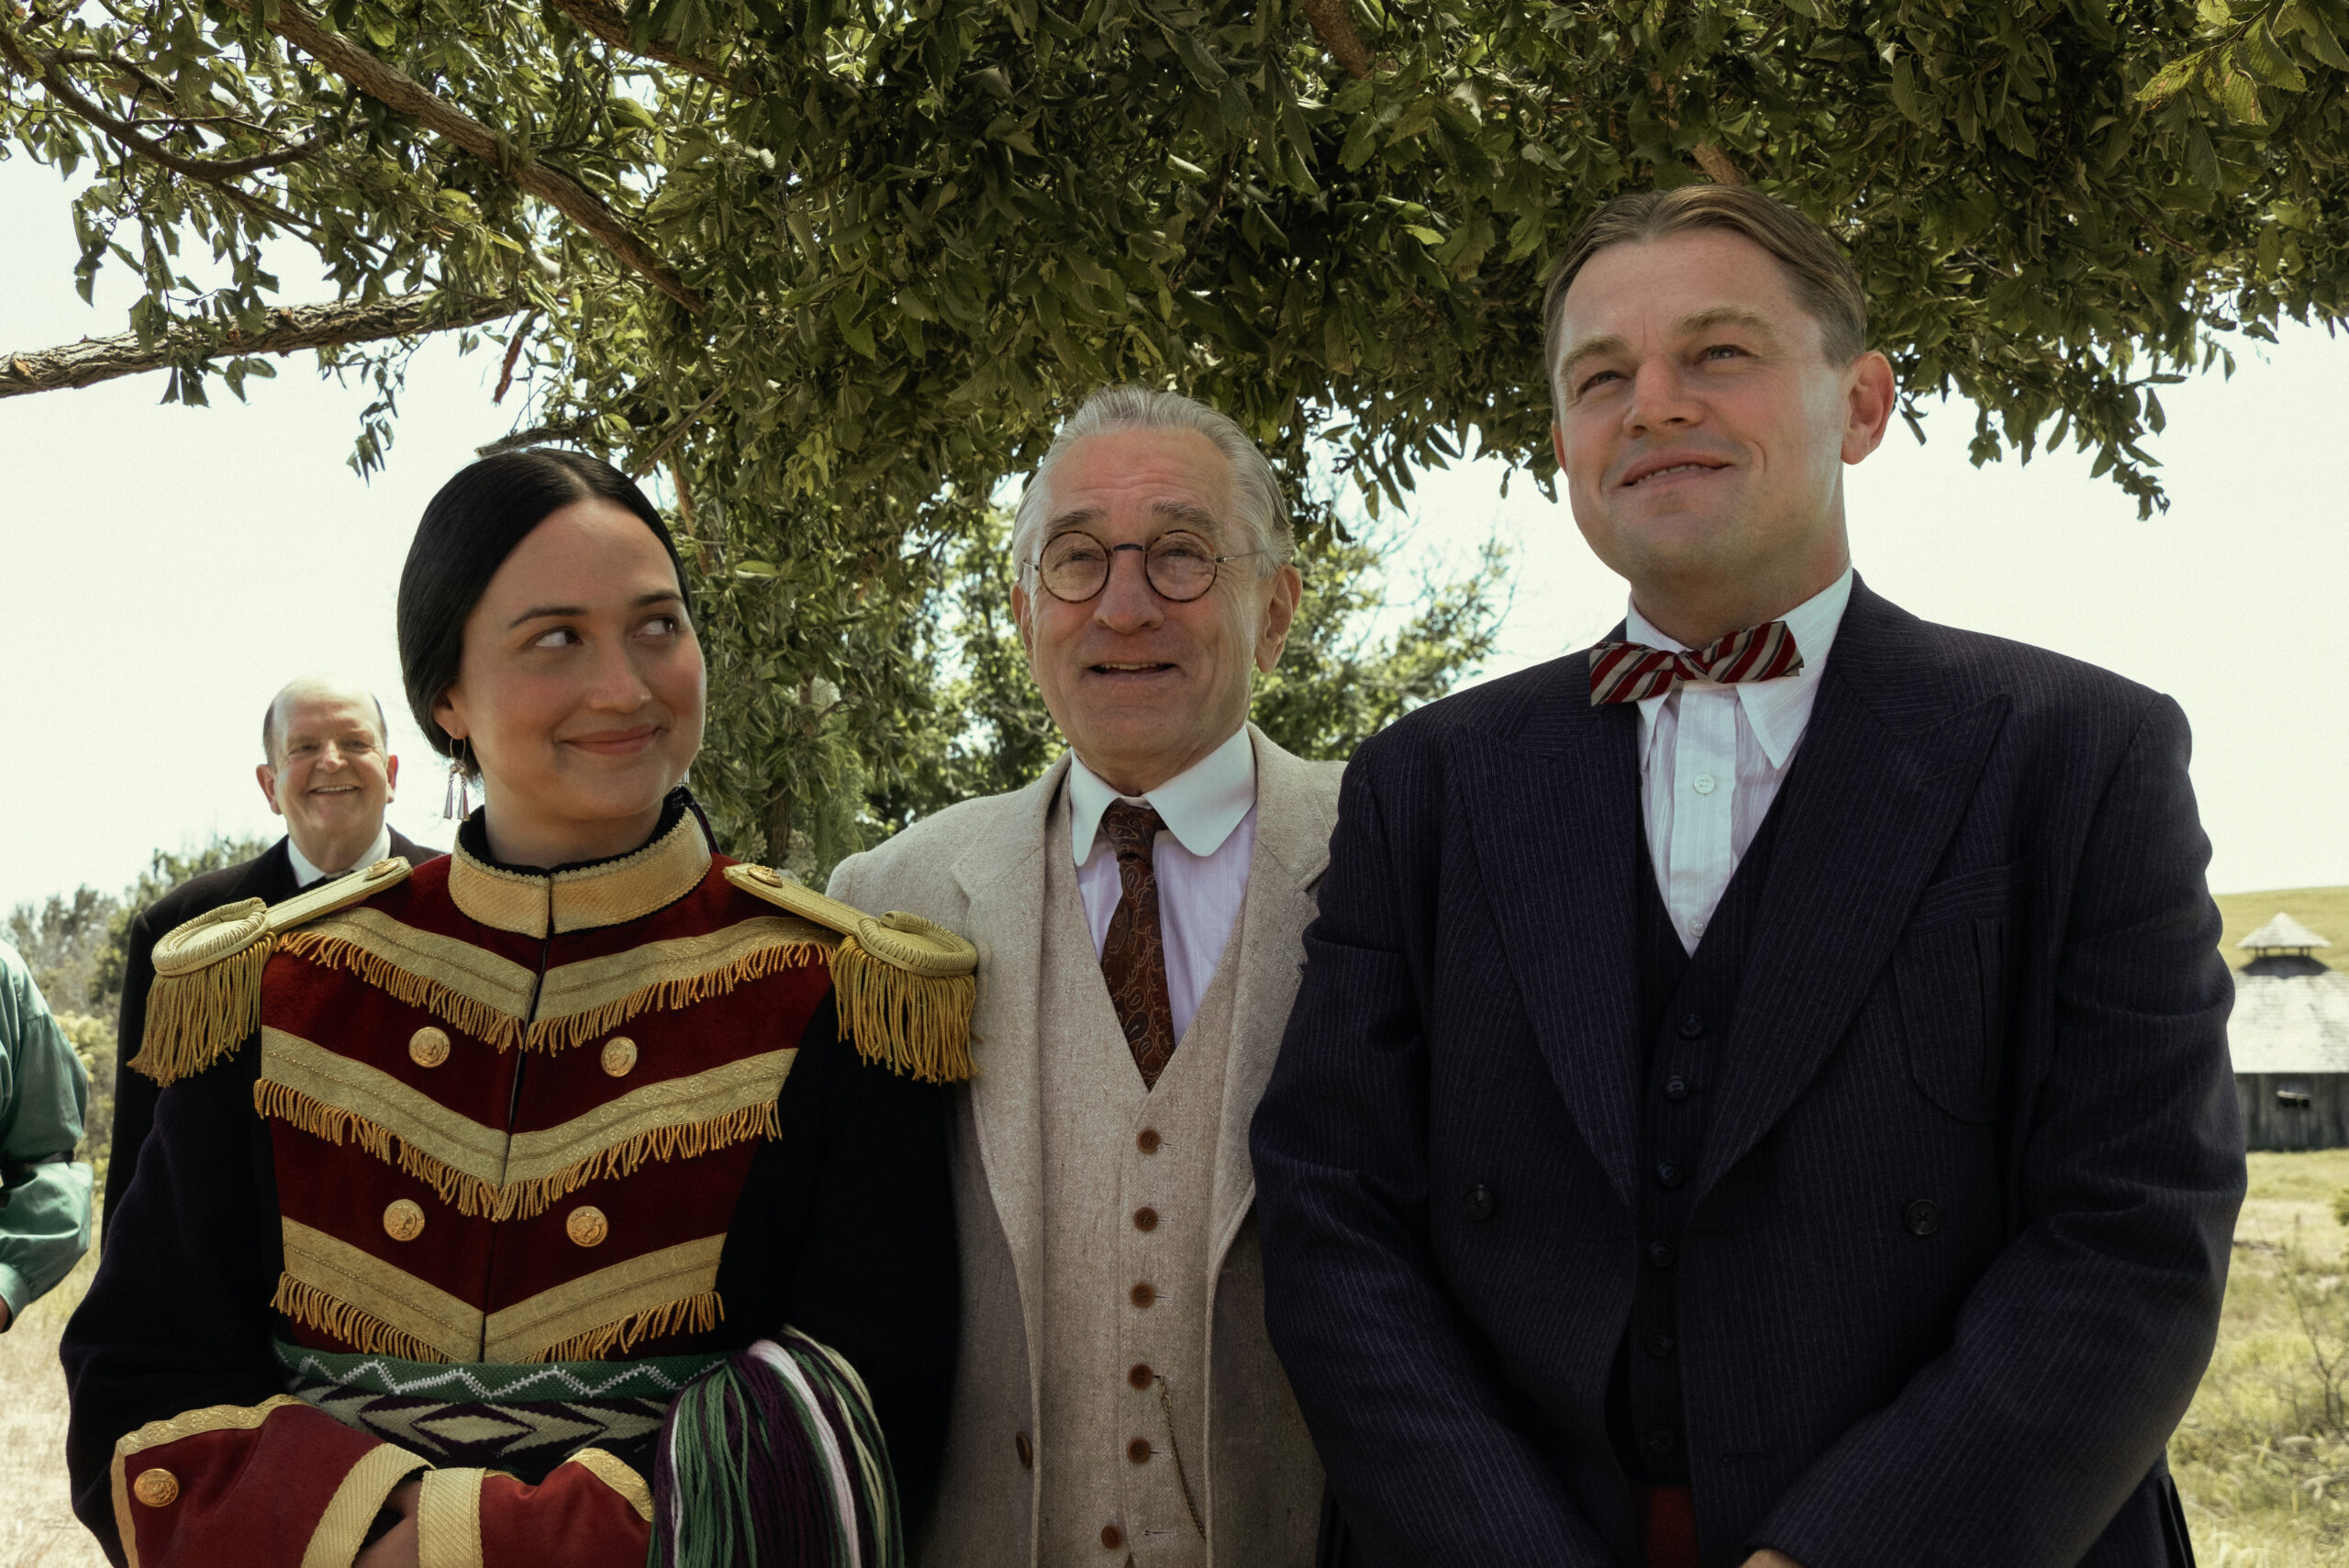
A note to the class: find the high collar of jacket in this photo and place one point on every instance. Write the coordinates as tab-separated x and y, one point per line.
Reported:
535	902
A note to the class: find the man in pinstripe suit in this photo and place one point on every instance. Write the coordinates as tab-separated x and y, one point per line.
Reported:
1759	1094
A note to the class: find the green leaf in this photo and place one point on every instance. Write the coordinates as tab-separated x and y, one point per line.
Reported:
1904	91
2268	62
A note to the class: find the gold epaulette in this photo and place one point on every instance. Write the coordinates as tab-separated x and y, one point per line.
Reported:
206	995
905	987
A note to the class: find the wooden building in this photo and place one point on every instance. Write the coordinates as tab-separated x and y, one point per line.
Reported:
2289	1038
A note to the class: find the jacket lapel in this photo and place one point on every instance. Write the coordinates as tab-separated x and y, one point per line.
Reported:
1294	817
1002	875
1554	814
1886	767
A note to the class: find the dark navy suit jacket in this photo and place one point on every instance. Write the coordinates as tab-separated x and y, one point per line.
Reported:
1984	976
268	877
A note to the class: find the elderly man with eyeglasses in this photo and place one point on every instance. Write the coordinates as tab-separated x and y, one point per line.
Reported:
1139	913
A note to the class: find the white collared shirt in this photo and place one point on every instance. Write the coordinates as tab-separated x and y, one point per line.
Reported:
305	873
1711	758
1201	861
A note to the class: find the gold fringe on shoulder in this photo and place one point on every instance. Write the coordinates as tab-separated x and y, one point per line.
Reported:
306	1304
474	1018
692	1315
196	1019
668	996
906	986
912	1024
522	1200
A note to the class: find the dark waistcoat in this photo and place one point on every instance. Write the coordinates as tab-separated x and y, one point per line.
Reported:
1688	1019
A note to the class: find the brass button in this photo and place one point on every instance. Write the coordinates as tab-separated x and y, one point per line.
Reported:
1112	1537
620	1055
1149	1140
767	875
1140	1374
1025	1450
403	1221
1145	1220
587	1224
156	1488
1138	1451
384	867
1143	1295
428	1046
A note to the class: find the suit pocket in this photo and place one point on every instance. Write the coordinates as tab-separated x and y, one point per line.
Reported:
1951	972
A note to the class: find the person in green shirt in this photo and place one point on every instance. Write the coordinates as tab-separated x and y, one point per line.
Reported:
44	1191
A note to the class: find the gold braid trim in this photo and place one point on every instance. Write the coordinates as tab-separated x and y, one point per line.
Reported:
522	1200
197	1018
503	1029
694	1314
476	1018
668	996
909	1023
306	1304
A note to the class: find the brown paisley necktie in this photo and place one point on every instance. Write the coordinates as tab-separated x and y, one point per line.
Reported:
1133	955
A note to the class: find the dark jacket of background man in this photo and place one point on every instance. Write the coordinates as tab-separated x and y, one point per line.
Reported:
1963	1203
268	877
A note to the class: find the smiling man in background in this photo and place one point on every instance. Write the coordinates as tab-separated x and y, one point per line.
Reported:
1137	913
329	771
1759	1092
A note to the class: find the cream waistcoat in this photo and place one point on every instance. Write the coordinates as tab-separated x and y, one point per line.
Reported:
1127	1175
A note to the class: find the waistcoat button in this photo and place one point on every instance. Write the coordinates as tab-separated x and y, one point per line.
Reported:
1477	1202
1148	1141
1925	1217
1660	1344
1025	1450
1669	1175
428	1046
1145	1220
587	1226
1140	1374
1663	1440
156	1488
1138	1451
403	1220
1691	1025
620	1055
1143	1294
1112	1537
1675	1088
1660	1253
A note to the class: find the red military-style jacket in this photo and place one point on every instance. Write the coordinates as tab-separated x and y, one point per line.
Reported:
491	1120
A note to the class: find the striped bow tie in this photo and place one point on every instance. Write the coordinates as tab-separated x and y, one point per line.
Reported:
1627	671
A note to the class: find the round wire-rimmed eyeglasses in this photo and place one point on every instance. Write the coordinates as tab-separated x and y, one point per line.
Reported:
1075	566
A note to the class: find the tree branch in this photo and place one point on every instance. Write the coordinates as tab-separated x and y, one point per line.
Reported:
403	95
211	170
1336	25
606	21
1718	165
94	360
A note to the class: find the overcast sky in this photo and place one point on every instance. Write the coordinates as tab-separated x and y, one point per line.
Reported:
166	568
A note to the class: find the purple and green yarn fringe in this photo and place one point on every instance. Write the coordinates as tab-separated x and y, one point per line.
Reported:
775	1457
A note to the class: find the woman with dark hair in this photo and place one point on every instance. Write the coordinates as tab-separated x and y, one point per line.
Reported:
579	1195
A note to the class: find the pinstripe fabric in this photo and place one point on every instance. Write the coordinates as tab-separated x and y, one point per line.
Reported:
1983	978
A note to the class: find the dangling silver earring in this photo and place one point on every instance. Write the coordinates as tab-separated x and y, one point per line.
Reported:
458	804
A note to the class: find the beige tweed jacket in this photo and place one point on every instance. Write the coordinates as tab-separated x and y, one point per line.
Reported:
979	868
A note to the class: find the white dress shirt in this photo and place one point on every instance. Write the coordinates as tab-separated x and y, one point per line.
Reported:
306	873
1711	758
1201	861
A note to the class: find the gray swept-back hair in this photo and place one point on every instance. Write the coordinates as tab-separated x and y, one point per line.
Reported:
1256	494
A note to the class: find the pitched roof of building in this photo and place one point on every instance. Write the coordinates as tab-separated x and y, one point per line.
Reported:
2291	1016
2283	931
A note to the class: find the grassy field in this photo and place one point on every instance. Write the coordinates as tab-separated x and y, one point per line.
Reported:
2324	910
2263	1457
37	1529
